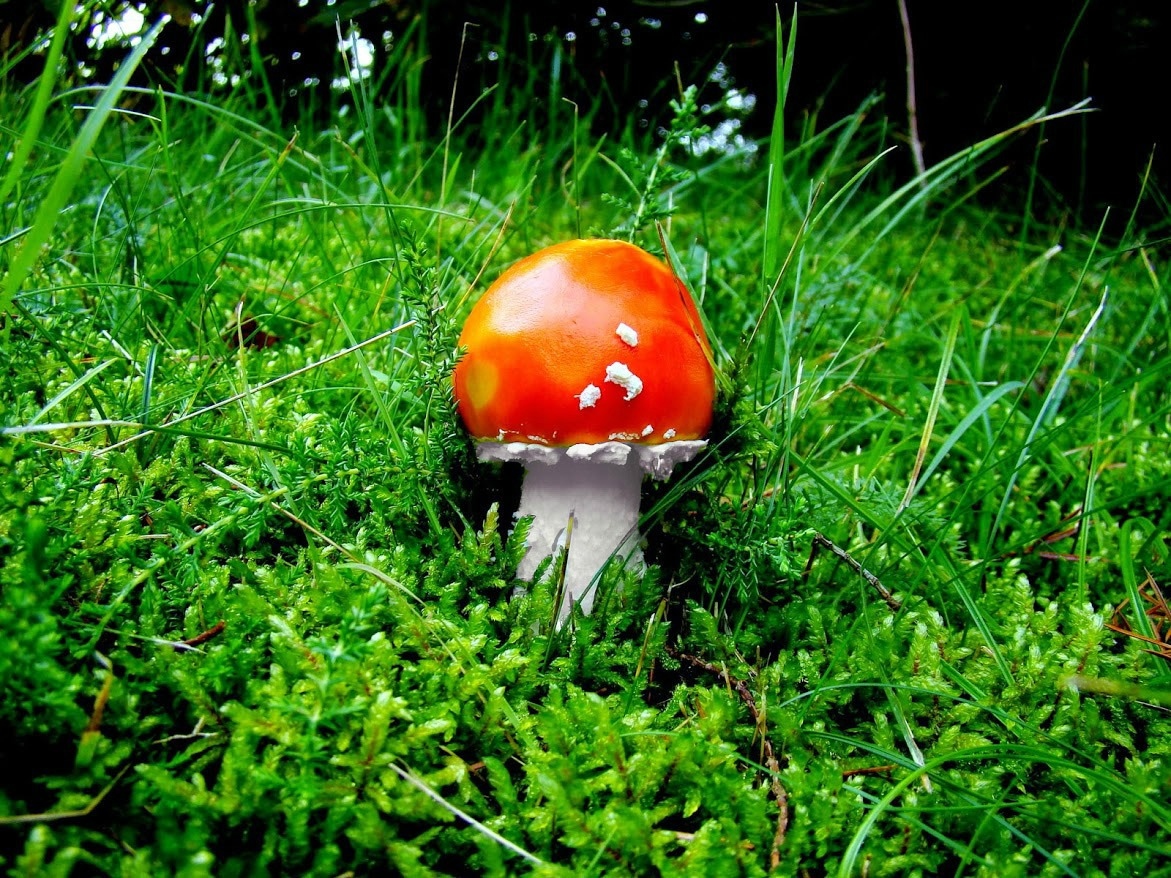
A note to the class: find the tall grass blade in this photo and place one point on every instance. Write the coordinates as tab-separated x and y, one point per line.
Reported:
1034	168
70	172
36	113
775	204
949	348
1126	552
1049	407
67	391
974	414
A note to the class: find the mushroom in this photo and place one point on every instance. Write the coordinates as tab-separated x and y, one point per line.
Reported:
587	362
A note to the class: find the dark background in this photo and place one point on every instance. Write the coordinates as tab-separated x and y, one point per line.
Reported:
981	67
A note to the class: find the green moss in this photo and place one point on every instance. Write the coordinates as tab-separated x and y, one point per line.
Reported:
257	602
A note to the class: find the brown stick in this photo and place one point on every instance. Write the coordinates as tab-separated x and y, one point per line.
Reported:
912	105
47	816
826	542
205	636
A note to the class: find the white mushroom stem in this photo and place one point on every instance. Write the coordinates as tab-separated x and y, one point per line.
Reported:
600	486
603	501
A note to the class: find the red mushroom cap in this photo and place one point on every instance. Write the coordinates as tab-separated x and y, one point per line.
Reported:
585	342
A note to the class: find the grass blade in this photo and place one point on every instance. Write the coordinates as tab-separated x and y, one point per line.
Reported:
70	172
949	348
36	114
775	205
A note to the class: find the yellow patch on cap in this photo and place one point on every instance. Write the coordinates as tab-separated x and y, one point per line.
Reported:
482	381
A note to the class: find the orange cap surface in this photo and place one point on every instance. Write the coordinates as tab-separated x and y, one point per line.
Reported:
544	338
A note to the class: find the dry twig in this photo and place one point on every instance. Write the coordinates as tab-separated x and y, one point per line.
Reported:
1159	614
820	540
207	635
912	104
48	816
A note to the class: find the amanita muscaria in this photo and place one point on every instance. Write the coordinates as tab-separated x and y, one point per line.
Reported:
587	362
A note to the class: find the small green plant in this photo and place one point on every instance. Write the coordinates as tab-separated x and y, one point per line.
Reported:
650	181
